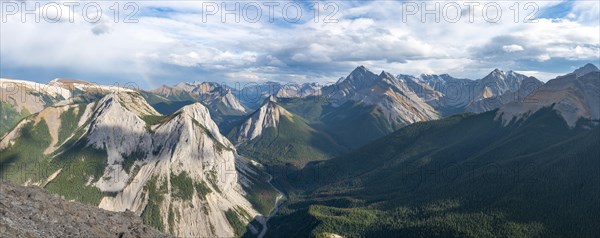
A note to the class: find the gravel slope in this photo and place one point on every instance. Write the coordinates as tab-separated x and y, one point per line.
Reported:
32	212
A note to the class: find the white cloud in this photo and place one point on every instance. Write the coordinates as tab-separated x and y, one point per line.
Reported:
370	33
542	58
543	76
512	48
244	76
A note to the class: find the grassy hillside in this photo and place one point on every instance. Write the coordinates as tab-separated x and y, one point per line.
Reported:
351	125
79	165
164	105
309	108
25	160
259	192
464	176
356	124
9	117
293	141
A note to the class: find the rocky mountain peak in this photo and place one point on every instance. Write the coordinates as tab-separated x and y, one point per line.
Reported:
195	110
185	144
270	99
198	114
572	96
268	115
219	98
361	68
495	75
588	68
386	75
298	90
181	85
360	77
116	126
132	101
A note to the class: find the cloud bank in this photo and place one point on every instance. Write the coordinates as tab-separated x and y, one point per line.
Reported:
188	40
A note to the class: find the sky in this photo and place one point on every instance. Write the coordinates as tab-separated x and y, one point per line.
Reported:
151	43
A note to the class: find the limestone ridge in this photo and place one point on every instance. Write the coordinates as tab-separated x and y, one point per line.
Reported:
216	96
268	115
573	96
394	98
177	170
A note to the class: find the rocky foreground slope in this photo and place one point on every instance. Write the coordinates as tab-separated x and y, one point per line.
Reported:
177	172
32	212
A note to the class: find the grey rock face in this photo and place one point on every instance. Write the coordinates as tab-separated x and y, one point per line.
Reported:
32	212
588	68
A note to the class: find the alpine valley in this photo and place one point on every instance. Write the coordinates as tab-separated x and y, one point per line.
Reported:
372	155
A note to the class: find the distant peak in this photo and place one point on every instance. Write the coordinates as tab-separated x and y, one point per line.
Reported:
384	74
587	68
195	110
68	81
181	84
360	77
360	70
496	74
270	99
590	65
195	105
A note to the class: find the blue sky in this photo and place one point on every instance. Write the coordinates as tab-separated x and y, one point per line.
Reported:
174	41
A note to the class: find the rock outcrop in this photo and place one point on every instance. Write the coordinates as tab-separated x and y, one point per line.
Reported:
32	212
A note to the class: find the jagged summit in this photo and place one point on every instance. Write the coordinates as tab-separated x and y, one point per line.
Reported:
387	75
496	74
497	83
219	98
572	96
299	90
198	114
359	77
194	108
587	68
268	115
361	68
132	101
394	99
269	99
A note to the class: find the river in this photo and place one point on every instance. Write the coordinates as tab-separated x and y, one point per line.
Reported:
280	199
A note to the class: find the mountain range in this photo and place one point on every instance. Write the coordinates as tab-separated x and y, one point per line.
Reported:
370	155
527	169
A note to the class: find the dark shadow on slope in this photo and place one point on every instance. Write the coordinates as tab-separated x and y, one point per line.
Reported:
538	174
168	108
